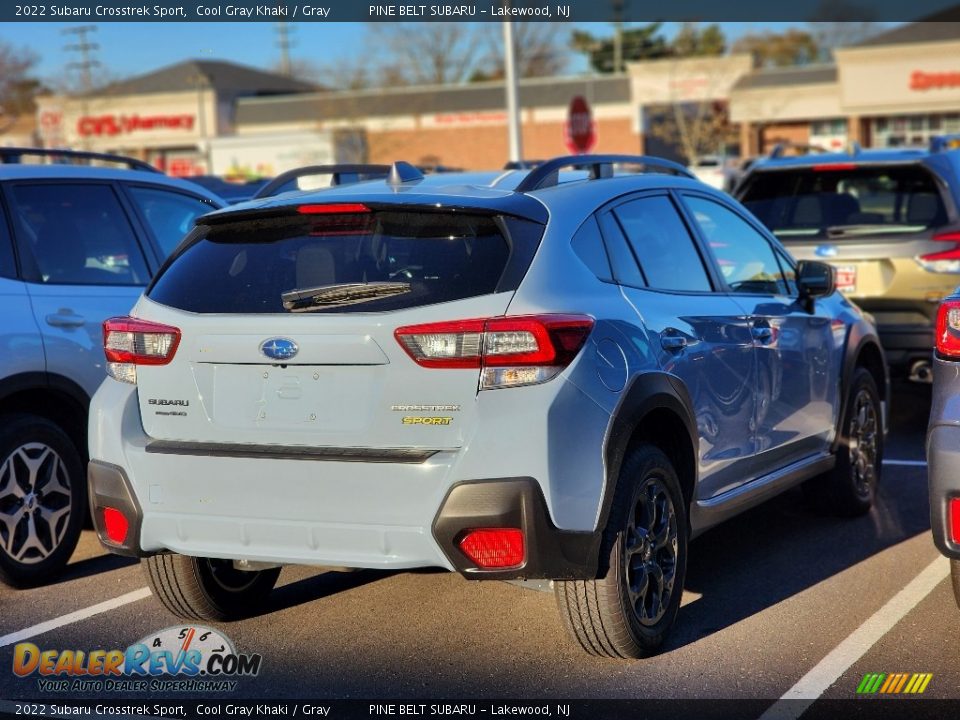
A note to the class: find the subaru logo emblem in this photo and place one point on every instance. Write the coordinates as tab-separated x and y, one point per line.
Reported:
279	348
826	251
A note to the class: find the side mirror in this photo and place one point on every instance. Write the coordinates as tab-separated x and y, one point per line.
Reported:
815	279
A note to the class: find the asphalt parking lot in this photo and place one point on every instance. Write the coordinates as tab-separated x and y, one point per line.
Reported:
778	601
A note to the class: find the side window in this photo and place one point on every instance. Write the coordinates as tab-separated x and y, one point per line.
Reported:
744	256
663	246
588	245
169	214
789	269
76	234
8	268
625	268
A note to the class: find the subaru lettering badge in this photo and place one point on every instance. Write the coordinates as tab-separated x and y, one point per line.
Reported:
826	251
279	348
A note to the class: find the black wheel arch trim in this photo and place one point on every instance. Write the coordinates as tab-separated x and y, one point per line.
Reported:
857	341
22	382
646	393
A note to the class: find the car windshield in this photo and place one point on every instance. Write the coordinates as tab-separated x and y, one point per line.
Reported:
845	200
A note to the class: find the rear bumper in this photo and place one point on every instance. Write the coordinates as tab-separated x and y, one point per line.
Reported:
943	477
360	512
905	328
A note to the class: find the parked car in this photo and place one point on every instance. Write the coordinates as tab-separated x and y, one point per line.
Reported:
712	170
78	244
230	191
943	438
536	374
888	220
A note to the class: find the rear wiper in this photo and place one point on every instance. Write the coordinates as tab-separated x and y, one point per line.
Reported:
327	296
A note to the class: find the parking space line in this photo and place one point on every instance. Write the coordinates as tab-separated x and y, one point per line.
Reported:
906	463
74	617
811	686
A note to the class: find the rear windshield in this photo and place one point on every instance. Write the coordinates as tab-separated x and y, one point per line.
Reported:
361	262
845	200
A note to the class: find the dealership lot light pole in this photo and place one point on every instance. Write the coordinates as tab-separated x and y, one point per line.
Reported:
513	108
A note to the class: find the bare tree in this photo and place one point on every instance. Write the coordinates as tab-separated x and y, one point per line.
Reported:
17	87
435	53
539	50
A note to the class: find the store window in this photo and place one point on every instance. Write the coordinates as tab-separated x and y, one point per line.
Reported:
912	130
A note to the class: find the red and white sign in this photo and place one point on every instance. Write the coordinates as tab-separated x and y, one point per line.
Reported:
581	133
920	80
124	124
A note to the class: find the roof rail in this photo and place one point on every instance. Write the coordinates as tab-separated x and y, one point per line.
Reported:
343	174
13	155
942	143
522	164
600	166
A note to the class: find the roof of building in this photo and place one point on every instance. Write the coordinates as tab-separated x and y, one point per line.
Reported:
937	27
788	76
222	76
539	92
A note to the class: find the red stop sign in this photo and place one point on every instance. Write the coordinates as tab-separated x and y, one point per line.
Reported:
580	131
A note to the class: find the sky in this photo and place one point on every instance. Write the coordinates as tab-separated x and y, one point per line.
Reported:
128	49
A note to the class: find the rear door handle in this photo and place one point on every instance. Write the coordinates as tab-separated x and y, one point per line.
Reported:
65	319
673	342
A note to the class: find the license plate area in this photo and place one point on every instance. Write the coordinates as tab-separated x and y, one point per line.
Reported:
846	278
319	398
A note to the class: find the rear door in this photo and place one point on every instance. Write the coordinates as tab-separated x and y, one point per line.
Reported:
82	262
703	335
288	326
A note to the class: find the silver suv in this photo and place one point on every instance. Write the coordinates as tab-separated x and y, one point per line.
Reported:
528	374
77	245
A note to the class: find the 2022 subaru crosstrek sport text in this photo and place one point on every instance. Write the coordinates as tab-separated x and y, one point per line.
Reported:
542	374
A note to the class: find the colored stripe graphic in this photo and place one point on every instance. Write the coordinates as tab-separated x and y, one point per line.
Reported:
894	683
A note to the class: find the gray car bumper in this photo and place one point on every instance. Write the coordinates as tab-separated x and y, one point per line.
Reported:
943	473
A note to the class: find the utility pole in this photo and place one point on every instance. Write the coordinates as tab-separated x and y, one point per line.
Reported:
87	62
618	35
513	105
284	43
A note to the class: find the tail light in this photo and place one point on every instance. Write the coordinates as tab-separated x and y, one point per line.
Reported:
943	261
948	329
128	342
494	547
511	351
955	520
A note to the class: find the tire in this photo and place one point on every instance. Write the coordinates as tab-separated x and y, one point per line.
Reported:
204	589
43	499
851	487
621	615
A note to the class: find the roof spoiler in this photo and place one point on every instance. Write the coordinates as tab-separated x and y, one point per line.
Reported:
547	174
14	155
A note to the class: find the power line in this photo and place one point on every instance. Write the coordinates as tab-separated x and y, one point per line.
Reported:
84	48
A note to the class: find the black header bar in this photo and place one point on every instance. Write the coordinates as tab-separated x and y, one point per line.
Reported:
100	11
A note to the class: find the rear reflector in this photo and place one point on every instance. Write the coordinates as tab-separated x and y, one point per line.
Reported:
955	520
494	547
128	342
512	351
948	329
333	209
115	525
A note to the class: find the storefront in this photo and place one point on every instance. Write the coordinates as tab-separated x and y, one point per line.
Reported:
168	117
899	88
